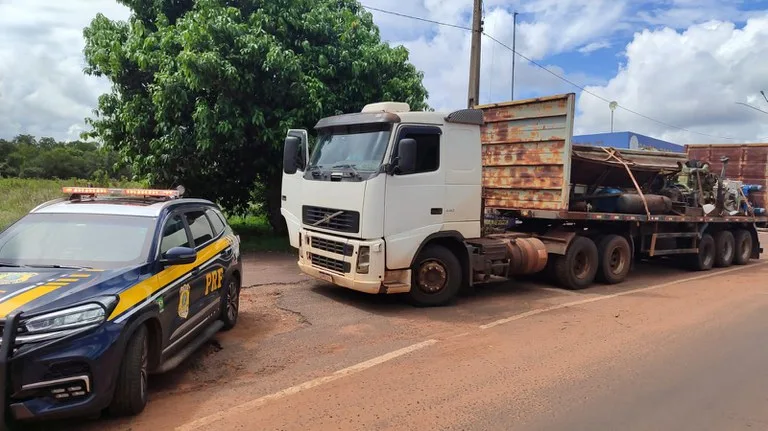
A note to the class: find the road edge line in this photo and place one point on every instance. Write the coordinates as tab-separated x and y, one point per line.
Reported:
614	295
354	369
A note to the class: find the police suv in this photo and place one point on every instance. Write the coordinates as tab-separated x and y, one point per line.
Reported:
101	289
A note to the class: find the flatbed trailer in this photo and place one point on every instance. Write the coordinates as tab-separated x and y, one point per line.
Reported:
531	170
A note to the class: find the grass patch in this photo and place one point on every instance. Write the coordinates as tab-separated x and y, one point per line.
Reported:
19	196
256	235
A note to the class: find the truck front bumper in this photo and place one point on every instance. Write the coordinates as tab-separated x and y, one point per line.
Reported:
339	261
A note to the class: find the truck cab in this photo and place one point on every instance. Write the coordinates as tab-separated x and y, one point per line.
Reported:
382	189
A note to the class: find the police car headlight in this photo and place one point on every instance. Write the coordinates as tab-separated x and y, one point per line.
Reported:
70	318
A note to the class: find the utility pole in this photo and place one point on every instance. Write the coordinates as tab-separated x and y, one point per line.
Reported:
514	52
473	98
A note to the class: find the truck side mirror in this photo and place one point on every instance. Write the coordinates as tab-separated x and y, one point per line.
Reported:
406	156
291	149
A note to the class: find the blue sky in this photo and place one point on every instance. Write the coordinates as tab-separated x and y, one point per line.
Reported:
685	63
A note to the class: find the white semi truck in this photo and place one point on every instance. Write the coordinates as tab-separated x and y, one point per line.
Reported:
396	201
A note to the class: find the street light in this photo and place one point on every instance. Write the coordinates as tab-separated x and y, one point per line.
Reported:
613	106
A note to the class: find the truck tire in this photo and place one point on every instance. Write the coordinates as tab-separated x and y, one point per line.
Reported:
615	259
724	249
704	260
436	278
577	268
742	247
130	395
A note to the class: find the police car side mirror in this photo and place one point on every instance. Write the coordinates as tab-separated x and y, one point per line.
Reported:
179	256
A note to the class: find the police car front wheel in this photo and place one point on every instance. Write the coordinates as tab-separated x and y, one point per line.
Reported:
130	396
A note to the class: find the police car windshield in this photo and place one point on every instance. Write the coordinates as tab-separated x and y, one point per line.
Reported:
80	240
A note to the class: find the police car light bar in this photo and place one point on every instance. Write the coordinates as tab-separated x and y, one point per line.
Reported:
94	191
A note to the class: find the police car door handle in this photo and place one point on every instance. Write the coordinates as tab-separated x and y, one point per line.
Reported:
195	271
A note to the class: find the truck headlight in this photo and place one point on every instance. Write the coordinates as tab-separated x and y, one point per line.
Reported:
363	259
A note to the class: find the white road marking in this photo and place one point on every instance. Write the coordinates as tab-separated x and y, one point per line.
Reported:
560	291
250	405
614	295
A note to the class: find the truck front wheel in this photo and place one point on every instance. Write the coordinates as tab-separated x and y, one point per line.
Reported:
436	277
578	267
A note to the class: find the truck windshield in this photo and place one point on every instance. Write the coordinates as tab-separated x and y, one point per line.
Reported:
81	240
358	148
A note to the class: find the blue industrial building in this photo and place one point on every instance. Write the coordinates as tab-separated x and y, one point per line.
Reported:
628	140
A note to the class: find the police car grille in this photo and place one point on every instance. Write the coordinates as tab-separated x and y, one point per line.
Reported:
329	263
66	369
332	219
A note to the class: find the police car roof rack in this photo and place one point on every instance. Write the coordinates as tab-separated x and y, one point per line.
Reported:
79	194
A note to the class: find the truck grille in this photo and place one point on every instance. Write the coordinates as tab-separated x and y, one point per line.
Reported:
333	219
331	246
329	263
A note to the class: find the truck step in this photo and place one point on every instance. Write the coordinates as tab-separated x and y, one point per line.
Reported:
396	287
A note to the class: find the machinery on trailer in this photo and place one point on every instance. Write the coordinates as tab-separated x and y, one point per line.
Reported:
395	201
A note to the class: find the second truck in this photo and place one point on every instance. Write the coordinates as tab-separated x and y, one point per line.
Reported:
425	203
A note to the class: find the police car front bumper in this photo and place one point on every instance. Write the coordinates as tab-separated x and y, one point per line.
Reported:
64	378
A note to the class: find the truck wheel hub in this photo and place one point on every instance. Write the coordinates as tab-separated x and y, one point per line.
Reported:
432	277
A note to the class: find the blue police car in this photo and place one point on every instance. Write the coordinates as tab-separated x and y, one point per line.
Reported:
101	289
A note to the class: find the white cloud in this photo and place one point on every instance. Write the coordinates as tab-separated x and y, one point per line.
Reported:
545	27
43	90
594	46
690	79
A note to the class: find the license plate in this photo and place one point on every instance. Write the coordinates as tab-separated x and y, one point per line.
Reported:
326	277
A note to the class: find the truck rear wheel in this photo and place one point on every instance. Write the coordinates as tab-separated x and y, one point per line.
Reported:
742	247
577	268
614	259
436	277
705	259
724	248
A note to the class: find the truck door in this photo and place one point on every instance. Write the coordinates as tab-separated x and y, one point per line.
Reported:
415	202
291	189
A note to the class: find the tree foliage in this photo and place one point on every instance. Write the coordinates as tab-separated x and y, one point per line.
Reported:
204	91
27	157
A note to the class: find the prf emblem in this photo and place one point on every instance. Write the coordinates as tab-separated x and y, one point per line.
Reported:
15	277
184	301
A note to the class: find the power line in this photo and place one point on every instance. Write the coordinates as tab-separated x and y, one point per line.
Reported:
555	74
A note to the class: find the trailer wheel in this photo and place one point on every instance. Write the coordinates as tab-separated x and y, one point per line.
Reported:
724	248
614	259
742	247
705	259
436	277
577	268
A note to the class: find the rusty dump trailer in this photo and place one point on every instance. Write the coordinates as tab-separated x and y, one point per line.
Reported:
537	183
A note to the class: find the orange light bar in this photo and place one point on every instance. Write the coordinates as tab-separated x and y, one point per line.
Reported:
119	192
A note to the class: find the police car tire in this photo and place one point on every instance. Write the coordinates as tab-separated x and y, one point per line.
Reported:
130	395
230	321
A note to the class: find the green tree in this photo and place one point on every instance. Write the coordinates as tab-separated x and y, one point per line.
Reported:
204	91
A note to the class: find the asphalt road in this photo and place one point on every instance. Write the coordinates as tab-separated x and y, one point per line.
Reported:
669	349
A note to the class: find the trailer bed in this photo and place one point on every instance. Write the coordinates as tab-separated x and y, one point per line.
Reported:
530	165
